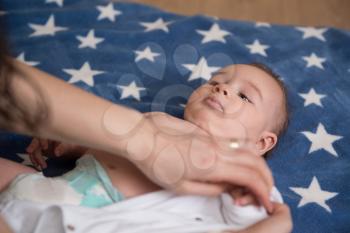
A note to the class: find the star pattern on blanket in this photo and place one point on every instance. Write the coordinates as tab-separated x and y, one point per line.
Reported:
262	24
26	159
89	41
146	54
85	74
114	39
159	24
131	90
322	140
108	12
314	194
201	70
311	32
21	58
58	2
314	60
257	48
215	33
49	28
312	97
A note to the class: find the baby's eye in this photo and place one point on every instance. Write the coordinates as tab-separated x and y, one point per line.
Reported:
213	82
244	97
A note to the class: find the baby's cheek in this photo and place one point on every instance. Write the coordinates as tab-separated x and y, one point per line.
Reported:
255	122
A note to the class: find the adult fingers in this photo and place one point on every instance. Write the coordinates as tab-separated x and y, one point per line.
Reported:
257	163
245	177
201	188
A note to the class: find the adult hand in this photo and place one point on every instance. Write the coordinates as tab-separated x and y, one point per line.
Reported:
76	116
183	158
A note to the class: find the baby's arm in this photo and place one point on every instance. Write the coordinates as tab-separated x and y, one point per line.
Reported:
241	216
43	147
280	221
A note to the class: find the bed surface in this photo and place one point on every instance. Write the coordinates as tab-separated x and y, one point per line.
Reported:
145	58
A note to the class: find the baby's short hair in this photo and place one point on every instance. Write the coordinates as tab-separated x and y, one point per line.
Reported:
283	120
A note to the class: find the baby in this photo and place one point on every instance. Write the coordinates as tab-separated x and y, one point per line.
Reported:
240	105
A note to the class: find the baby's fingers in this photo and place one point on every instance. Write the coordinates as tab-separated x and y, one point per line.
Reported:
44	143
33	145
247	199
39	159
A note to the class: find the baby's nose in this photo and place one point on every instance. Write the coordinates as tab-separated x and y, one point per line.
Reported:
222	89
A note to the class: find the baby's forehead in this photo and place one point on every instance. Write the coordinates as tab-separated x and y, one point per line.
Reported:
245	72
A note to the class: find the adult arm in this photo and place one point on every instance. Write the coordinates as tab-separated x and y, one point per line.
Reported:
76	116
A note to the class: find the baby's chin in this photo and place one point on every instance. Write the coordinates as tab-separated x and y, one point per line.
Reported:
197	122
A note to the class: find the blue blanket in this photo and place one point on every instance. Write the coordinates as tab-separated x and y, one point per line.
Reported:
137	55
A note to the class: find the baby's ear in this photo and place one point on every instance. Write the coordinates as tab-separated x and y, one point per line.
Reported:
266	142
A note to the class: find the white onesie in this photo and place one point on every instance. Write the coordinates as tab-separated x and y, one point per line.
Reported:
155	212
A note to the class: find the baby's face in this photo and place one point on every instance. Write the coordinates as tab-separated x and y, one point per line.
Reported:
239	102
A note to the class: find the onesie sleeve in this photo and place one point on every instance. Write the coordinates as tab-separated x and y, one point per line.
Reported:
241	217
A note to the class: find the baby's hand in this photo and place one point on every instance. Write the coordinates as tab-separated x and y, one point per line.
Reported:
39	148
243	197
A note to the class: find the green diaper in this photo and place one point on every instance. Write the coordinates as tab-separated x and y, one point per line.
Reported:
91	180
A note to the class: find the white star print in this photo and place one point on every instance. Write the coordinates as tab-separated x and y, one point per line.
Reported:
22	59
131	90
214	17
213	34
84	74
262	24
48	29
201	70
108	12
314	60
58	2
322	140
145	54
258	48
26	160
310	32
159	24
314	194
90	40
312	98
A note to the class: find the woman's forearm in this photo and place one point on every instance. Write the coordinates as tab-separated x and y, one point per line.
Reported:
156	145
74	115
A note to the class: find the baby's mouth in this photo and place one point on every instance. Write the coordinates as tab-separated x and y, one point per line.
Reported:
213	102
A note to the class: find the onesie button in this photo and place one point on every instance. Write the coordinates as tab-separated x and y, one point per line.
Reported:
70	227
